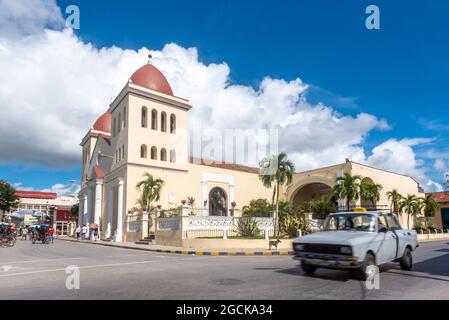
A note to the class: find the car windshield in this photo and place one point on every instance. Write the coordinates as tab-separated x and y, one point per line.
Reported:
353	222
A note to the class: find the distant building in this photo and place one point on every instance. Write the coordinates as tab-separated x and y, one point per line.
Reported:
48	203
442	215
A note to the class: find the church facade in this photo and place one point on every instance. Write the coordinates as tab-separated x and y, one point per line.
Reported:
145	129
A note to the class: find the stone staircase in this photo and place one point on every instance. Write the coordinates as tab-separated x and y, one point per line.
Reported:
147	240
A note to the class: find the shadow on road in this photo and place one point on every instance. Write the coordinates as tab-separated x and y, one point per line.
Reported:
324	274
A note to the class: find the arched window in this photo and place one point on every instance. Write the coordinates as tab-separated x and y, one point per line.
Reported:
172	156
154	119
114	127
154	153
123	152
143	151
119	122
119	155
172	123
163	154
144	117
124	117
163	121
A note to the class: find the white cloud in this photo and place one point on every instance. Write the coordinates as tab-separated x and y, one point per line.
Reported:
440	165
54	86
399	156
21	18
61	189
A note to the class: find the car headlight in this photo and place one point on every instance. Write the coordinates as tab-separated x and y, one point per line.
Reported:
346	250
299	247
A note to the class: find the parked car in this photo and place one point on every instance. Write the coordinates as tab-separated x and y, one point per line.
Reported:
357	241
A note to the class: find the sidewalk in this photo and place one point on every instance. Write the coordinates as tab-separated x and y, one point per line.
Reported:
181	250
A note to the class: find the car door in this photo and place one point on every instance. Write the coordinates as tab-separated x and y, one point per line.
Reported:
387	242
401	234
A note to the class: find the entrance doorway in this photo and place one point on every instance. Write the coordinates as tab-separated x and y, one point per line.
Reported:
62	228
445	218
218	202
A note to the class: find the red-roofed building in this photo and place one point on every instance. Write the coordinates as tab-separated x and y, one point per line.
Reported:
58	208
442	215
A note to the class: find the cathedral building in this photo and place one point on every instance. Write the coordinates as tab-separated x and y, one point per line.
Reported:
145	130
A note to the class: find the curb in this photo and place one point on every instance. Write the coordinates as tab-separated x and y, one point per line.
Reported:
193	252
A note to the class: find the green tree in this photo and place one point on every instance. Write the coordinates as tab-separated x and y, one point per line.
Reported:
258	208
277	170
8	198
430	206
348	187
409	205
74	210
370	192
150	189
395	197
322	207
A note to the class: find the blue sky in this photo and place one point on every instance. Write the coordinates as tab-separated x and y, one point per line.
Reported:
399	73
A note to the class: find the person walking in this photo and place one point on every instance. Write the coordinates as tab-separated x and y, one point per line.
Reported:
77	231
24	233
84	232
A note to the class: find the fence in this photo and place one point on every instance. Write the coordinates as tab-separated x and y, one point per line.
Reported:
192	227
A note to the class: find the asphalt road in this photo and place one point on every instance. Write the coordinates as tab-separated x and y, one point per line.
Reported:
38	271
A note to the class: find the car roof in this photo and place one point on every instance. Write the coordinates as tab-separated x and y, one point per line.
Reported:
361	213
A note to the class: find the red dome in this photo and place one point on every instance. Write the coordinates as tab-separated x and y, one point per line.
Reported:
148	76
103	123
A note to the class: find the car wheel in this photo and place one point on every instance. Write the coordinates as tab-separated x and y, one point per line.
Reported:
406	262
308	268
367	269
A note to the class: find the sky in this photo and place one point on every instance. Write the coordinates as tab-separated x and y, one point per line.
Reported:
311	69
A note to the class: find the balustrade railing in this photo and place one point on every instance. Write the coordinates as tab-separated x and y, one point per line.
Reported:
211	226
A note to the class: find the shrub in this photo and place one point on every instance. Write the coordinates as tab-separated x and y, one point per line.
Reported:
258	208
289	226
247	228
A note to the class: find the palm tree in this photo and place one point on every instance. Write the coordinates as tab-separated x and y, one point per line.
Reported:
277	170
371	192
150	189
395	197
347	187
409	204
323	207
429	206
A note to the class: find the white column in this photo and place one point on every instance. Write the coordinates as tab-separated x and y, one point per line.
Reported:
80	211
204	198
119	231
98	202
85	205
109	213
89	205
231	198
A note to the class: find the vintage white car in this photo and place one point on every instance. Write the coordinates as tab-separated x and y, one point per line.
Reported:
357	241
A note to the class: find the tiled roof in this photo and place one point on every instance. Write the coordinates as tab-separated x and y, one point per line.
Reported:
98	172
36	194
223	165
440	196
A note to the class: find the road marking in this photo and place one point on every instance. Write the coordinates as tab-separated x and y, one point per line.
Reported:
7	268
80	258
95	266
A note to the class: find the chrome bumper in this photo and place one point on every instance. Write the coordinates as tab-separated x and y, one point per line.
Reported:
328	261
